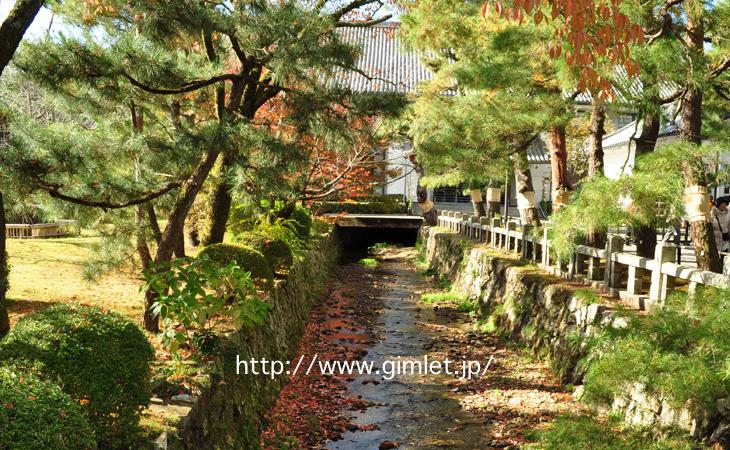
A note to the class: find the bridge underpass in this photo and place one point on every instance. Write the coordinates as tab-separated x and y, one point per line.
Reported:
359	231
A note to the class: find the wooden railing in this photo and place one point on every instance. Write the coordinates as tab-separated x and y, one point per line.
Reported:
37	230
628	276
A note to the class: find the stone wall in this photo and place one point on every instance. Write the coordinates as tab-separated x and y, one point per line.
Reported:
231	411
547	315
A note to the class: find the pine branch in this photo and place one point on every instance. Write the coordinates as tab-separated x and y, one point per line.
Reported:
367	23
53	191
188	87
722	67
666	25
353	6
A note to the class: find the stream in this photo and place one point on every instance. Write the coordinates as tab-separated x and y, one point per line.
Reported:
414	410
374	314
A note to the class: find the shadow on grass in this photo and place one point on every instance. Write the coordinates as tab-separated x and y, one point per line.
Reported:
19	308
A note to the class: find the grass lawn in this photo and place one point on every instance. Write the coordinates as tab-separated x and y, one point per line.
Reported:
46	271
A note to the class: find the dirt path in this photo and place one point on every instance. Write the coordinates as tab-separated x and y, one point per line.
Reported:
413	410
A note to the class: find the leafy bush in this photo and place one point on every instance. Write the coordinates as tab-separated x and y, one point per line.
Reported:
681	352
101	359
245	257
301	222
196	294
38	414
277	252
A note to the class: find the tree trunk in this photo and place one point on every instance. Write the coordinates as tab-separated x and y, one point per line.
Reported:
477	202
154	224
428	209
559	166
646	142
14	26
598	130
645	234
141	242
4	273
596	238
493	201
696	198
180	245
525	191
220	206
175	226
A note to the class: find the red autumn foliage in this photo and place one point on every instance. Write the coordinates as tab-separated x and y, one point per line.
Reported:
587	33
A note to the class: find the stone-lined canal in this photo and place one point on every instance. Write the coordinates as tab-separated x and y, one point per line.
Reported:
374	314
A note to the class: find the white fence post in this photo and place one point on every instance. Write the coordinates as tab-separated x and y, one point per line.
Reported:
661	283
483	222
527	246
511	226
493	232
612	275
545	247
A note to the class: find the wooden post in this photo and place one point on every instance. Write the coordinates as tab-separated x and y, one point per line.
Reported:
545	247
612	276
661	283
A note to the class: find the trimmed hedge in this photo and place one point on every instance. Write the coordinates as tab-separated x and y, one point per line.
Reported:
247	257
301	222
276	251
100	358
380	205
38	414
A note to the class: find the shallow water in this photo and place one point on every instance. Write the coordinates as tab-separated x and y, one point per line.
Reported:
417	411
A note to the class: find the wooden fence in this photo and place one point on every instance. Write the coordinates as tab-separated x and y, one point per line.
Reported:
37	230
638	280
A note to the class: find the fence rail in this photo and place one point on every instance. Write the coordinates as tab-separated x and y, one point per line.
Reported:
625	275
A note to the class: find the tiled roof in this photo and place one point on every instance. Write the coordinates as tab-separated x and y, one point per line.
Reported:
537	152
393	68
390	66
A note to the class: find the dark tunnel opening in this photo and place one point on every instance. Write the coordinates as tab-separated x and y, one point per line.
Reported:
356	240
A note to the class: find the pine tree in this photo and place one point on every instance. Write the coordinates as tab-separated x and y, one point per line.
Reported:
168	90
687	25
513	65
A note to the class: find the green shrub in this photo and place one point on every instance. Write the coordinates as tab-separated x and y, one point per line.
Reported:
382	204
578	432
195	294
38	414
681	352
277	252
301	222
248	258
101	359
